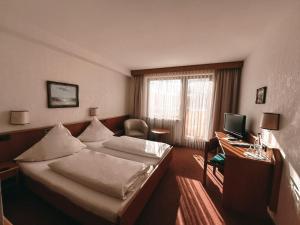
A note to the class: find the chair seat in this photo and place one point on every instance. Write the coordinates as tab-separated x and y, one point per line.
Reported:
218	160
135	133
136	128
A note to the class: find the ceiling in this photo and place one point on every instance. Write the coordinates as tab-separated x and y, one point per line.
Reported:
139	34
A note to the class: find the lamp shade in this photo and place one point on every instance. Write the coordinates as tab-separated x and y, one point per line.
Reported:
94	111
270	121
19	117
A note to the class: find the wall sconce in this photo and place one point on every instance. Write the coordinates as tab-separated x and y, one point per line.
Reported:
270	121
94	111
19	117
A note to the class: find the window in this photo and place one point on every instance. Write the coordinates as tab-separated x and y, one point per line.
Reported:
198	107
164	99
182	103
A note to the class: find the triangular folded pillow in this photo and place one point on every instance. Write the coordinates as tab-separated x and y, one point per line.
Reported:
57	143
96	131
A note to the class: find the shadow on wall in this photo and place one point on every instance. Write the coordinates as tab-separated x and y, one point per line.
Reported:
290	183
4	117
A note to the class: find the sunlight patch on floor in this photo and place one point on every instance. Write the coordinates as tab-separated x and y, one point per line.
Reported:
217	181
195	205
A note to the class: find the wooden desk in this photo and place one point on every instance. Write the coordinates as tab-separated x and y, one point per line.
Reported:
247	182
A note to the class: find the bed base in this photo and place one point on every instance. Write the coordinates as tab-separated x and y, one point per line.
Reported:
127	217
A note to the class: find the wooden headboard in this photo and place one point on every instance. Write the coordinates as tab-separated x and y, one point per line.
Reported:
14	143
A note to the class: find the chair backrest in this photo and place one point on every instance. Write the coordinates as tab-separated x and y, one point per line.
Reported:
135	124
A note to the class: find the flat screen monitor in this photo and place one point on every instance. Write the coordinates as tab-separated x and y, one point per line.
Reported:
235	124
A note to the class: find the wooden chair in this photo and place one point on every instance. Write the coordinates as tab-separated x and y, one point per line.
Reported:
212	144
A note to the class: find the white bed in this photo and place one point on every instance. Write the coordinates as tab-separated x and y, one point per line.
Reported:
93	201
80	201
98	146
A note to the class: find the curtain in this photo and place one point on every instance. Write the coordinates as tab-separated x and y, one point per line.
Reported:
181	102
197	116
190	104
164	101
138	93
226	93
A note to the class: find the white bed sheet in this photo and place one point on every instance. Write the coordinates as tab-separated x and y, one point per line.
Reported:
93	201
98	146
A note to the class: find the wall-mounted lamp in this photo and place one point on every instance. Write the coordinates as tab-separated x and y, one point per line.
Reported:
94	111
19	117
270	121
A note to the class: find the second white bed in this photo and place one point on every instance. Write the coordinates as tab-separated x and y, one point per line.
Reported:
98	146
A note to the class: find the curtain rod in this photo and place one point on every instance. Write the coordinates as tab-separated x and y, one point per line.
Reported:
225	65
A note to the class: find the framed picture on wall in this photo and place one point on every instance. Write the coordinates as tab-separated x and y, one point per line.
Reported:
261	95
62	95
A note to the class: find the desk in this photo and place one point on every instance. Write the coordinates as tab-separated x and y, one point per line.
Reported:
247	182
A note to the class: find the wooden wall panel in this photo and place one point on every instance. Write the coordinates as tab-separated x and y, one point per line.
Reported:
20	141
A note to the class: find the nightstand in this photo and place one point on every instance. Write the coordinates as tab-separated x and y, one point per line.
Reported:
9	171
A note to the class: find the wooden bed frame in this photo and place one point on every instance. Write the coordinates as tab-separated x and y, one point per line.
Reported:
127	217
14	143
19	141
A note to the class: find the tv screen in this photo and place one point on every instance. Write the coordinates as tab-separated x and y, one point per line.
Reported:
235	124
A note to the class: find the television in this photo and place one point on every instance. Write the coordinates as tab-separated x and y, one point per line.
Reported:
234	124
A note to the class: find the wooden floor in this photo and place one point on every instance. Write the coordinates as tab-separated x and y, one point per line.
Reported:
179	199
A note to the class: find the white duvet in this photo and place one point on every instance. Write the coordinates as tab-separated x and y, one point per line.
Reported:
137	146
104	173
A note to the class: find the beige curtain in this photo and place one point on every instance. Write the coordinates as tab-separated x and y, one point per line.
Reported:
197	110
137	96
190	128
226	93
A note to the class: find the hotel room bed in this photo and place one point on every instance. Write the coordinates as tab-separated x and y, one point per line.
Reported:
49	168
89	206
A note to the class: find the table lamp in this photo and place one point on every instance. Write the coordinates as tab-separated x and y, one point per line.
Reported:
270	121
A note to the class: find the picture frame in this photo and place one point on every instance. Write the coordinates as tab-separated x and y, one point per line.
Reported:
62	95
261	95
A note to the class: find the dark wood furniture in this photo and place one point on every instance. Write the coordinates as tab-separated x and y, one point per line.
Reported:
16	142
212	144
19	141
159	133
9	170
224	65
127	217
250	186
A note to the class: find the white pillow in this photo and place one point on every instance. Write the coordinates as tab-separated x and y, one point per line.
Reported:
57	143
96	131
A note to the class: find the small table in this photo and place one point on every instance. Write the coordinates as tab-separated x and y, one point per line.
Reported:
159	133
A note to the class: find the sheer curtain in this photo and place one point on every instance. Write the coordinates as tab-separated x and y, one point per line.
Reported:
182	103
197	117
164	101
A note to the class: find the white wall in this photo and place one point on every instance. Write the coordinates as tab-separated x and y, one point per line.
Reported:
26	64
275	63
